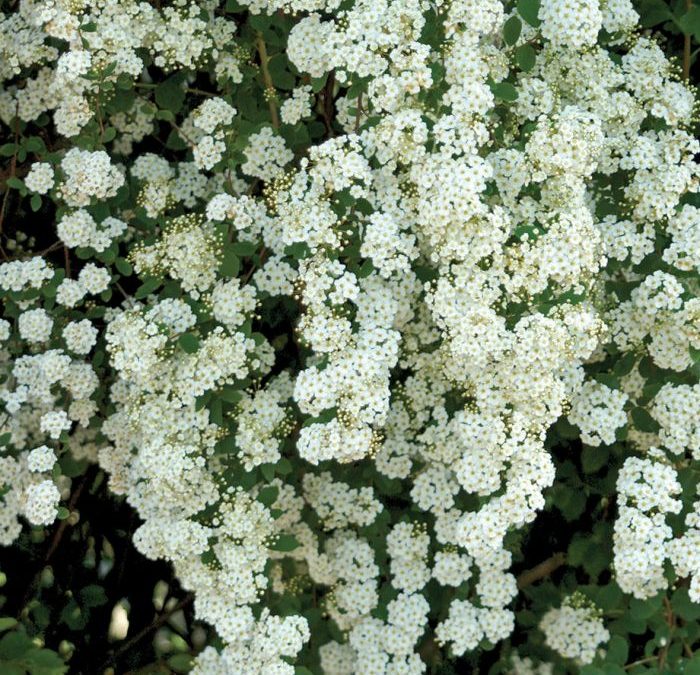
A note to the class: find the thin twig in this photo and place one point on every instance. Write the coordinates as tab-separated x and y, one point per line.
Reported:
262	256
189	90
122	291
641	662
544	569
671	621
54	247
267	79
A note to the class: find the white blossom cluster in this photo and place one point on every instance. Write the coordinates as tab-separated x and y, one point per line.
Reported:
647	490
574	630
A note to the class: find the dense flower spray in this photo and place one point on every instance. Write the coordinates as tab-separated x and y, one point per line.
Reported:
382	248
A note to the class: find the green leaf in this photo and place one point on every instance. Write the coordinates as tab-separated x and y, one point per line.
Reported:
230	394
170	95
526	57
324	418
690	22
283	467
529	10
15	183
644	421
609	596
35	144
216	412
279	71
285	543
165	115
591	670
189	343
624	365
504	90
643	609
93	596
11	669
684	606
230	265
14	645
225	446
175	141
45	662
180	663
110	133
146	288
124	267
613	669
35	202
365	269
593	459
244	248
268	471
7	622
618	650
512	29
268	495
653	12
318	83
202	400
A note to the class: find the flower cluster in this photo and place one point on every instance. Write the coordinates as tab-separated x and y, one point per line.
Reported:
574	630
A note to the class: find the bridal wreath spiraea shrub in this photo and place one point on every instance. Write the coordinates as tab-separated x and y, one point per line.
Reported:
320	285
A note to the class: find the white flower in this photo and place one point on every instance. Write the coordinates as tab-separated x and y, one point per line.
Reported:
41	459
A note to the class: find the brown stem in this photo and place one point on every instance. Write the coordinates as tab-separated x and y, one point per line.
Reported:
544	569
641	662
671	621
66	258
267	79
54	247
328	107
263	254
122	291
